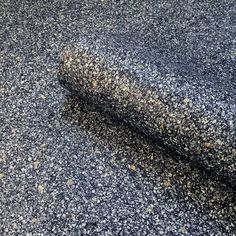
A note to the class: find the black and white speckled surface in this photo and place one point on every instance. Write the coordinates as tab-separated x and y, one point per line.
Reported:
66	169
196	120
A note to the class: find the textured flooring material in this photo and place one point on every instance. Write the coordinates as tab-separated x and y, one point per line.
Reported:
66	169
195	120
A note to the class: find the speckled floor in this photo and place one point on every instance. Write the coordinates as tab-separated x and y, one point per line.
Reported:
65	168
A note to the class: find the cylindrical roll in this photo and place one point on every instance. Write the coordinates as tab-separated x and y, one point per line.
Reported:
193	118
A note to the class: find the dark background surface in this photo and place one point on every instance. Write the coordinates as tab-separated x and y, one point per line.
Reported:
68	170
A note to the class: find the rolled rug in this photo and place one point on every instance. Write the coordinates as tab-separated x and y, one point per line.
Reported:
194	117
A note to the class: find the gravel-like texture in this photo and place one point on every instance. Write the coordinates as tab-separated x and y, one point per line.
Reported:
196	120
66	169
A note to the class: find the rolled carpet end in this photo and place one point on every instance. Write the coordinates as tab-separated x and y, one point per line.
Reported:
196	121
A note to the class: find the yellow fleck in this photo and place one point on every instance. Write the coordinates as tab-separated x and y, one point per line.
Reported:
125	88
41	188
186	100
34	221
207	144
155	101
2	175
149	209
69	182
94	83
167	183
43	145
42	96
36	164
14	226
13	131
132	167
183	230
162	126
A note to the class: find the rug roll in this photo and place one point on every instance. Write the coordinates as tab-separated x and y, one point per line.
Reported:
195	118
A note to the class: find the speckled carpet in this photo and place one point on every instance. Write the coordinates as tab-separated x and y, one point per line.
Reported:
148	146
